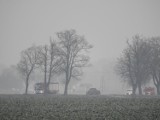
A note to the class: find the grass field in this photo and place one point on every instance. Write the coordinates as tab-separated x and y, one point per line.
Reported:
49	107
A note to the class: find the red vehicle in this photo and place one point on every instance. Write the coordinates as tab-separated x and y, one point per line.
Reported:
149	91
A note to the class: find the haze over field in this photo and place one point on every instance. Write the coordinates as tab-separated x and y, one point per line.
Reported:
106	24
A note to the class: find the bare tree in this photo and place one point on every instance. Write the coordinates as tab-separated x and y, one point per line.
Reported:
124	69
54	60
27	64
50	61
134	65
155	62
73	51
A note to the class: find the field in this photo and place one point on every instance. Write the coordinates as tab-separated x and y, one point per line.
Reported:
72	107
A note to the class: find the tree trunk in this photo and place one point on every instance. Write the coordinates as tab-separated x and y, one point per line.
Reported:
67	79
47	87
139	88
27	84
158	89
45	77
49	80
66	85
27	80
66	89
45	83
134	87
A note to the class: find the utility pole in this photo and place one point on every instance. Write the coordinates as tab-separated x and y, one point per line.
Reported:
102	84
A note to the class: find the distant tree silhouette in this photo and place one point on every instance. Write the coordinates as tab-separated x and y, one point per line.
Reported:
155	62
27	64
134	63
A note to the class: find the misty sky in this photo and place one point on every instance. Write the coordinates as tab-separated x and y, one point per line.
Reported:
106	24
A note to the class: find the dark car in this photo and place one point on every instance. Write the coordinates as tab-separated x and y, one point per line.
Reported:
93	91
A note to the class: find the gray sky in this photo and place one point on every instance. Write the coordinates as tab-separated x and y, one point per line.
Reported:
105	24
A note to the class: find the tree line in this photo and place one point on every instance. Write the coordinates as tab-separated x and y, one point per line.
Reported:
140	62
66	54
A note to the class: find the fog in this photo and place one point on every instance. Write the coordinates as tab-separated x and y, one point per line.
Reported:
105	24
